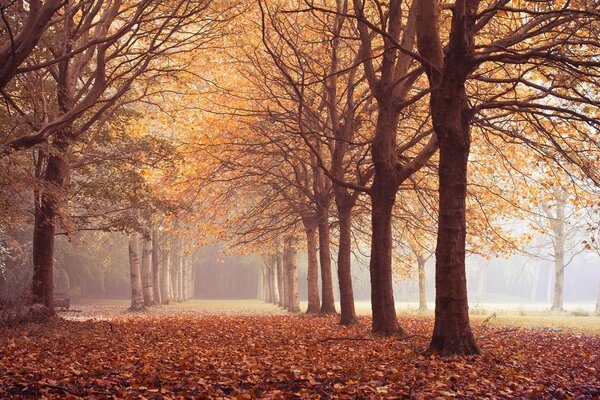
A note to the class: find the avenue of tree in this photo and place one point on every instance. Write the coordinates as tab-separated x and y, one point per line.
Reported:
279	127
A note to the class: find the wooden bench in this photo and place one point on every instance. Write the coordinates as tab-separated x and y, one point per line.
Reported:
62	302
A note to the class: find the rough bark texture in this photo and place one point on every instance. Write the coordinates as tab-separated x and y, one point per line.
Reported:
451	117
134	271
155	268
314	303
348	314
422	281
328	302
147	271
55	180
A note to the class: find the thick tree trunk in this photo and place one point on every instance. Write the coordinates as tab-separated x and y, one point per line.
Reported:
134	270
56	179
328	303
385	321
383	197
165	276
292	277
422	282
348	314
147	271
155	268
314	303
281	279
452	331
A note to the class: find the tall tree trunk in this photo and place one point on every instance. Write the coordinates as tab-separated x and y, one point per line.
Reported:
155	267
328	303
180	277
292	276
558	225
165	276
274	280
348	314
422	282
134	271
56	179
382	293
452	331
147	271
281	278
175	265
314	302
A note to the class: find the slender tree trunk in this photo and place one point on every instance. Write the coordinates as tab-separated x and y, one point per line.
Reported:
292	275
155	267
348	314
559	256
452	331
328	303
165	276
281	278
261	283
56	179
175	265
134	269
422	282
180	277
314	302
147	271
274	280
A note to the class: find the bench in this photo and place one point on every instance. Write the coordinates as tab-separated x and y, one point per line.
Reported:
62	302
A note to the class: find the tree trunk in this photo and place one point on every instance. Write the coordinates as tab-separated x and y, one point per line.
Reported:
147	271
155	267
134	269
165	276
281	279
558	225
292	276
56	179
328	303
175	265
422	282
348	314
314	303
180	277
274	280
385	321
452	333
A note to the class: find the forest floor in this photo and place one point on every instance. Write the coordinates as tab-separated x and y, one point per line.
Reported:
255	353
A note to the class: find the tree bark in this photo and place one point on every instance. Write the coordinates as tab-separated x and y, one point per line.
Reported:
134	270
314	303
165	276
155	267
328	303
348	314
274	280
558	225
281	278
292	276
147	271
422	282
56	179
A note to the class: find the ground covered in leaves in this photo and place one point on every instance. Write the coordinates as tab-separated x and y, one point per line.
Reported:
278	356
